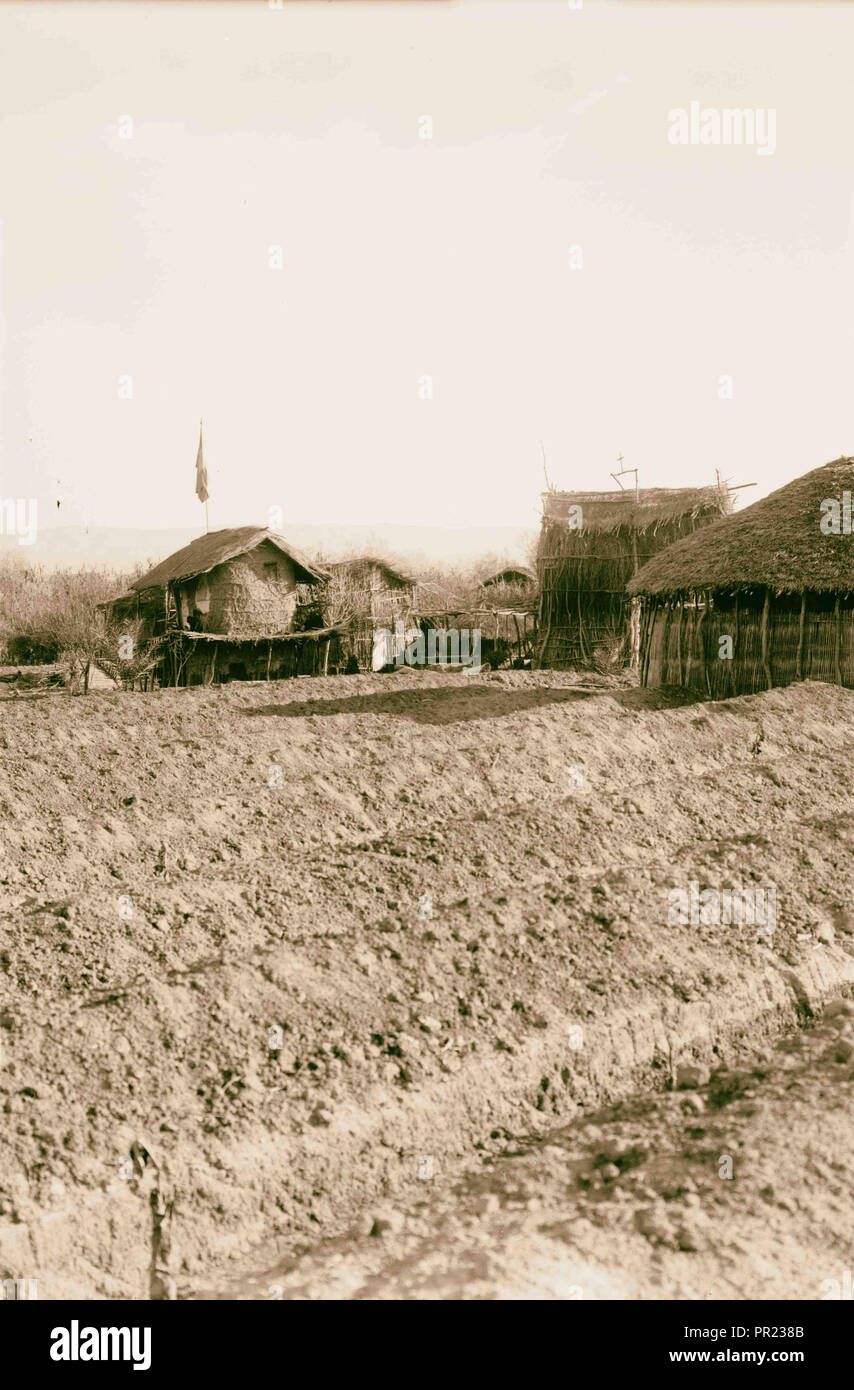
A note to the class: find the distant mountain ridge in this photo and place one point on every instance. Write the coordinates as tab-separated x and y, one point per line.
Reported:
122	548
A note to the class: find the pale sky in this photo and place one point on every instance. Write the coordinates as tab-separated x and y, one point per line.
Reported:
403	257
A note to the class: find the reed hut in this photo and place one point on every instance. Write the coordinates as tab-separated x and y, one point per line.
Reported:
511	576
591	544
366	594
758	599
238	604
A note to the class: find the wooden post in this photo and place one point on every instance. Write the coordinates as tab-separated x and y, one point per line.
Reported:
735	637
544	642
326	654
701	637
665	638
585	654
837	669
766	609
679	640
538	659
690	656
645	637
799	655
635	624
646	641
269	655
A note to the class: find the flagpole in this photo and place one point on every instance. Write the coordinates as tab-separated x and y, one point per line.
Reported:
207	518
202	480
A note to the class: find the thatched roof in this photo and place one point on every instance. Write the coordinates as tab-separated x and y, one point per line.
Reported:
777	543
358	564
611	511
511	574
206	552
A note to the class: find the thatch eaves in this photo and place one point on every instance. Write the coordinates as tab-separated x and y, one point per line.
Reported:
777	542
207	552
612	511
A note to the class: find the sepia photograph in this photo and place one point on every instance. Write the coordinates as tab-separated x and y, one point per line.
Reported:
426	673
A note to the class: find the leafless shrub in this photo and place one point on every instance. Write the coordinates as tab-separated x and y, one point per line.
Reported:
446	588
342	600
53	615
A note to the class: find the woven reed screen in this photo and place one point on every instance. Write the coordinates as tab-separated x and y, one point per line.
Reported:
793	637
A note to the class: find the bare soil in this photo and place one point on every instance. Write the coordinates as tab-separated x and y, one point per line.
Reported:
738	1188
265	949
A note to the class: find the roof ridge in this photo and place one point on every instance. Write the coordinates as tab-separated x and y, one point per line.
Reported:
215	548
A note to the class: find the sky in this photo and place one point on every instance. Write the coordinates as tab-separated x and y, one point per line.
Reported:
430	324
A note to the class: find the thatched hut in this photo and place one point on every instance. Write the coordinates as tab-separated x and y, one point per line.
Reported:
512	576
235	604
759	599
591	543
365	594
380	591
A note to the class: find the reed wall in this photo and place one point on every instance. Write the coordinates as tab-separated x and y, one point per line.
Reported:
244	597
776	639
582	576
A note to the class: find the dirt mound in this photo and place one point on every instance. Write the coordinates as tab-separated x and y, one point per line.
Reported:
266	949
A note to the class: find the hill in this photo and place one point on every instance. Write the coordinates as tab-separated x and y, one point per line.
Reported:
124	547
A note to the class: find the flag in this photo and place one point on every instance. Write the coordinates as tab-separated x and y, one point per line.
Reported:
201	473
